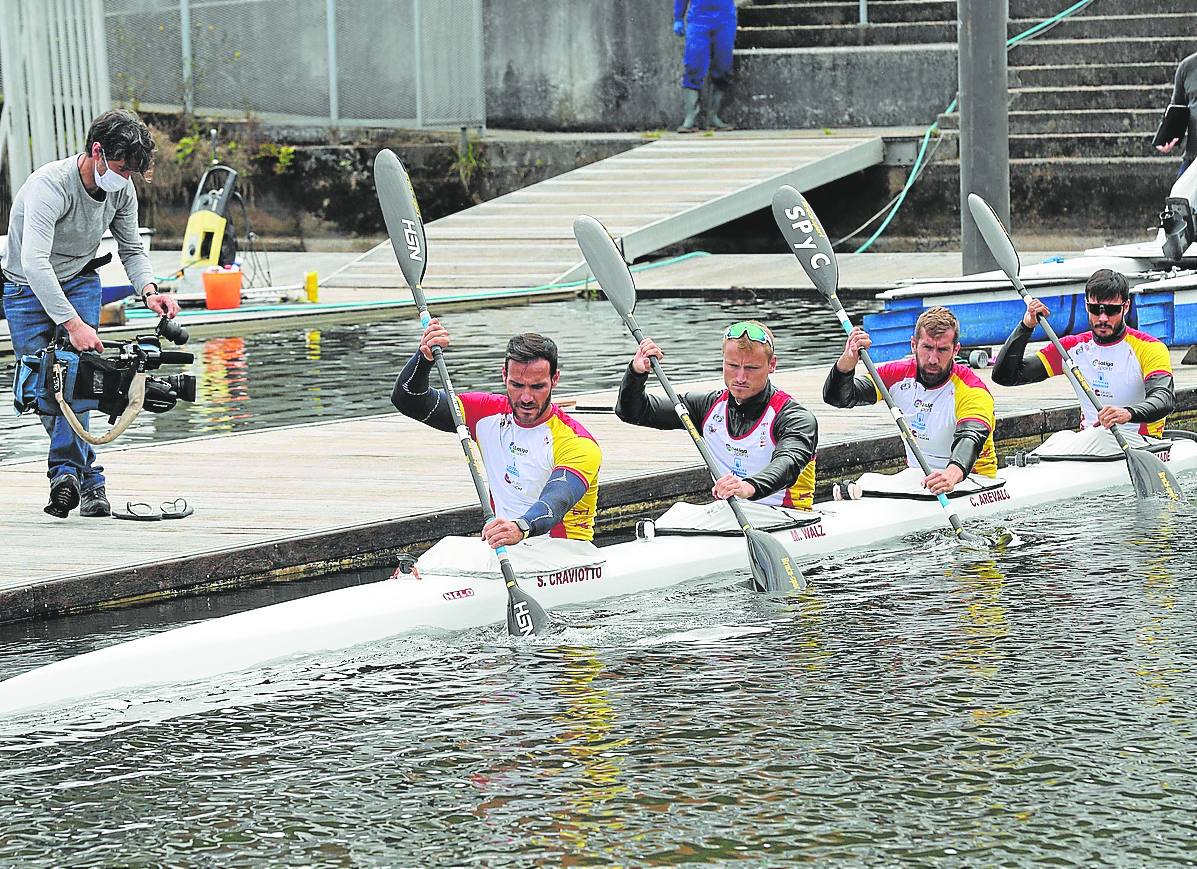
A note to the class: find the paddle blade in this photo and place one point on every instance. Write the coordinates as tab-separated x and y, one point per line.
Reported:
402	215
773	570
525	617
807	239
1151	477
995	235
607	264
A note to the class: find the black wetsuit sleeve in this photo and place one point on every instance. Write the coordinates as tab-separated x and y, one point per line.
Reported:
563	489
1011	368
845	390
412	396
967	444
1159	401
795	437
634	405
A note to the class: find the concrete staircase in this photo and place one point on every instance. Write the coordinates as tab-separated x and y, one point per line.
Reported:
1085	97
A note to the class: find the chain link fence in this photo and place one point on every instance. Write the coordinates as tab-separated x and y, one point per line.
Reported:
334	63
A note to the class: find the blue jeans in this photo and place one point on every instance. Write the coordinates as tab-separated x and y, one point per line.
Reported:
32	330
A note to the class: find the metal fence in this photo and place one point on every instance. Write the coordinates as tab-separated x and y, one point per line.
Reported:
335	63
54	80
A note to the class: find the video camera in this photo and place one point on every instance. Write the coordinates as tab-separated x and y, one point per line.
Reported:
92	381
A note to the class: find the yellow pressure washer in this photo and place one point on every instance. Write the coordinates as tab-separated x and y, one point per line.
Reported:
208	239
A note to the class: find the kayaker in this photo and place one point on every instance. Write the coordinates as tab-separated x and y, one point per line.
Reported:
1129	371
541	465
761	437
949	409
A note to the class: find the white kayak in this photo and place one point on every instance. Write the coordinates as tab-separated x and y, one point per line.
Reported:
447	594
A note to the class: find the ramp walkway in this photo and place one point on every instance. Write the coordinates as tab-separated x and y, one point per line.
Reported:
649	197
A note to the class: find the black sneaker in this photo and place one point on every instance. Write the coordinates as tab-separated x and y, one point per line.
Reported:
94	502
64	495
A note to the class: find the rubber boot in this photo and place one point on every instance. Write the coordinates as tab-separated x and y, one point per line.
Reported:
717	99
690	124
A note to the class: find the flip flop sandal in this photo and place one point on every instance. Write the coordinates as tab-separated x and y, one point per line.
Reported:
137	511
176	509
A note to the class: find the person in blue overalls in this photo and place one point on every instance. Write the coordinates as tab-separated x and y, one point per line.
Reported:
709	27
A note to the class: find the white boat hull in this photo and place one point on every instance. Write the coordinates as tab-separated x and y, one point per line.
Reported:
368	613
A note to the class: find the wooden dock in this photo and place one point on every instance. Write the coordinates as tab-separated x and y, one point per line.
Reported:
649	197
305	500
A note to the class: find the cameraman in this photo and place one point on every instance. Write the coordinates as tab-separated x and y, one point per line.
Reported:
51	286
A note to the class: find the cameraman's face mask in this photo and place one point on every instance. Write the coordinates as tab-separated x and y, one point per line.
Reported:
111	181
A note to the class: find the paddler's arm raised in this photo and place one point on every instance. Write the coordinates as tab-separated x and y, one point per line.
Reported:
842	389
1011	368
634	404
795	437
412	396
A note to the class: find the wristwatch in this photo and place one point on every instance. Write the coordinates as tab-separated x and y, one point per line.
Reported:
522	524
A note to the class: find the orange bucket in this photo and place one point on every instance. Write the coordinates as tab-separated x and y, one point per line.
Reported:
222	289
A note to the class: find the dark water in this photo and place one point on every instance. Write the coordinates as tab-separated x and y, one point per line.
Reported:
921	706
300	375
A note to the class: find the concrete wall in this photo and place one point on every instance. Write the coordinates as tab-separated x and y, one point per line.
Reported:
581	64
616	65
877	86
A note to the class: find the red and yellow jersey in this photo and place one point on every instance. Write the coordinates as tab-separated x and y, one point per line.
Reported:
1116	372
520	459
933	414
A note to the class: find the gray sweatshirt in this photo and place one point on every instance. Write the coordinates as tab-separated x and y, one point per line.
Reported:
55	228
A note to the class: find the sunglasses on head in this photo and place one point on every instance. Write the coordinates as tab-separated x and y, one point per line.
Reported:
752	330
1107	308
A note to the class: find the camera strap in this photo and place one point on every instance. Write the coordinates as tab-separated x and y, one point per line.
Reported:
136	400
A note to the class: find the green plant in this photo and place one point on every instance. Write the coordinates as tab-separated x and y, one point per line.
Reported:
282	155
468	162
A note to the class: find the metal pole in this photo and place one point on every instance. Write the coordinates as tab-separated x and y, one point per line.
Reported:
334	102
83	77
984	122
417	32
100	47
479	72
72	91
185	45
864	11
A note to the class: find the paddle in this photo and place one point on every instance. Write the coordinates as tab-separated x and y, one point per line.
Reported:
773	571
525	616
809	242
1148	474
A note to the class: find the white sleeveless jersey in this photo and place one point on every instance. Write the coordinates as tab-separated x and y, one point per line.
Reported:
746	455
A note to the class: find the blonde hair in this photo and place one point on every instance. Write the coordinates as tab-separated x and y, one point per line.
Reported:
935	322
